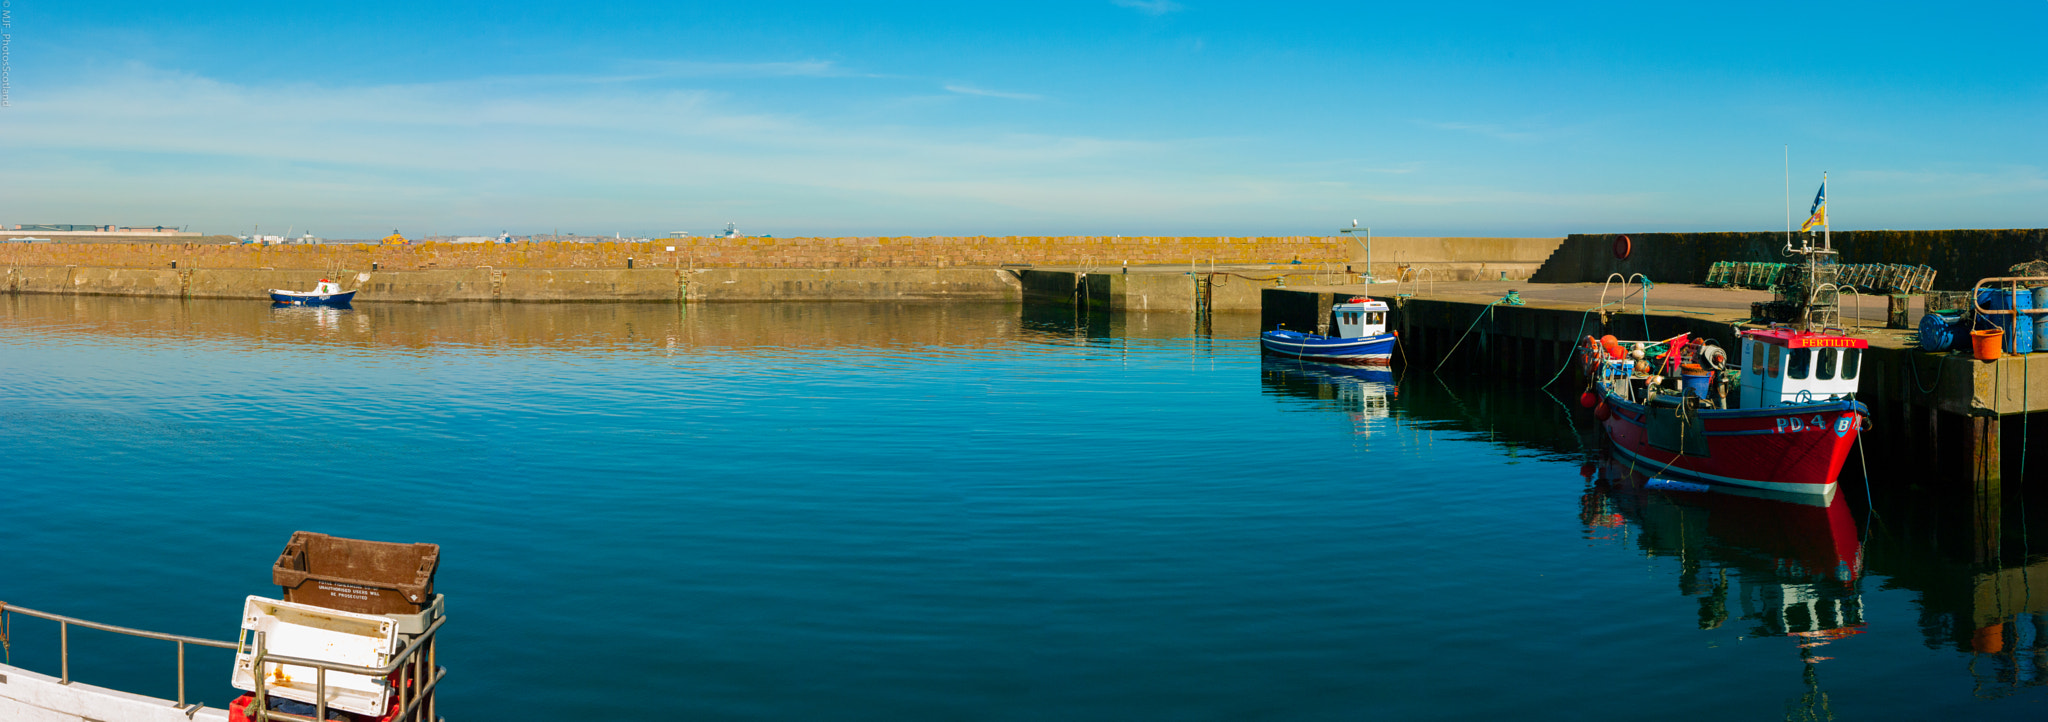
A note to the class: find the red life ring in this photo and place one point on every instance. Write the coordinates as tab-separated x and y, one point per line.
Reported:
1622	246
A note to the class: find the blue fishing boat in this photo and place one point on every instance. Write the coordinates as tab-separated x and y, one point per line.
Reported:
328	293
1362	337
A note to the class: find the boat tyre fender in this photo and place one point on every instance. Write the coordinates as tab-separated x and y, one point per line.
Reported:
1622	247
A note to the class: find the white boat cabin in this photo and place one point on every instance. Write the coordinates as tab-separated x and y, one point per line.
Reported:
1360	317
327	287
1782	366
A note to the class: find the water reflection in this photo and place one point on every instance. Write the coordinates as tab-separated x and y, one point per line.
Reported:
319	318
1783	567
1365	393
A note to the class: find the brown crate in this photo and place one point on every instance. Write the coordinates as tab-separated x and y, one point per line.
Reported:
354	575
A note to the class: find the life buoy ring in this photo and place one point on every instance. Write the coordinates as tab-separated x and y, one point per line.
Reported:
1622	246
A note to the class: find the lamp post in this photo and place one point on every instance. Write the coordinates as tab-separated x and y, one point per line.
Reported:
1354	230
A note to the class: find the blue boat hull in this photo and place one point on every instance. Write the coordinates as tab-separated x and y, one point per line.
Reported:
1367	351
313	299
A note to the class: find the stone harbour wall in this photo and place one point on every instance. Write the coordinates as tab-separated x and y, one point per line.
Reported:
928	252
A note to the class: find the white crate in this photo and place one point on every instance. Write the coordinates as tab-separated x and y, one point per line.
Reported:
328	635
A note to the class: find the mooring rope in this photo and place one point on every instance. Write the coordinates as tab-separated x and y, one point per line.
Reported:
1483	314
1647	285
2026	414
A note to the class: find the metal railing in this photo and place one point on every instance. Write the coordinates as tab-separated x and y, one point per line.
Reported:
413	684
415	667
64	625
2012	285
1414	280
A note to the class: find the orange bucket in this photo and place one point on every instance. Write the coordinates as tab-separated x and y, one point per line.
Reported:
1987	343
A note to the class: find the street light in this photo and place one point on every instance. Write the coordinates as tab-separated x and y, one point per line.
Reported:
1354	229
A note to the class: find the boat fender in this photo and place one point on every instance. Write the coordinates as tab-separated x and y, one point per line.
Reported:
1670	485
1588	400
1601	412
1622	247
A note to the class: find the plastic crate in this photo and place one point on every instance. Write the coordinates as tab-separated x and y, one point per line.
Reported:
353	575
318	633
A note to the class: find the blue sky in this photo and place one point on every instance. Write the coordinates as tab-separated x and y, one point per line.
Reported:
1132	117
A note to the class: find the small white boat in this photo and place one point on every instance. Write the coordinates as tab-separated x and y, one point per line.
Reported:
328	293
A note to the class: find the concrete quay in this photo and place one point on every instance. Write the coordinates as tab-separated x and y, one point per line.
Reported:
1945	414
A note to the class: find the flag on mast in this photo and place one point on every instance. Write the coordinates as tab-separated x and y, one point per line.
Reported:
1819	213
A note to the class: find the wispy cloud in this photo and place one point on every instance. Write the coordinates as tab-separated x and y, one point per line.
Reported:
512	152
984	92
802	68
1489	130
1497	197
2015	179
1148	7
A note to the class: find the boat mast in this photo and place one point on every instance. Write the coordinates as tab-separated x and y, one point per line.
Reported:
1821	294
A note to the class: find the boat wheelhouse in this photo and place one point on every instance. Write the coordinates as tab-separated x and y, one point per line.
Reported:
1784	366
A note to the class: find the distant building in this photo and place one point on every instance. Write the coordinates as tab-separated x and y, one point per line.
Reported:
80	229
60	227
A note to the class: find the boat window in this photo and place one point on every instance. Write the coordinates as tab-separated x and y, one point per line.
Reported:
1757	352
1799	362
1777	361
1377	319
1826	372
1850	358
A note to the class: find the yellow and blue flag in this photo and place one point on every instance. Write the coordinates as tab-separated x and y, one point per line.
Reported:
1820	209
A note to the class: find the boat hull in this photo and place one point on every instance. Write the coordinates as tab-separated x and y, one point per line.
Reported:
1367	351
312	299
1791	449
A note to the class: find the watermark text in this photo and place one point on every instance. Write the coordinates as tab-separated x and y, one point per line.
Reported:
6	45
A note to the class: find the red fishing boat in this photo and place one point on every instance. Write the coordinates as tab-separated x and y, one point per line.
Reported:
1784	419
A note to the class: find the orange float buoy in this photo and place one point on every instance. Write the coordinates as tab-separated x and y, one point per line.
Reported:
1601	412
1989	640
1588	400
1622	247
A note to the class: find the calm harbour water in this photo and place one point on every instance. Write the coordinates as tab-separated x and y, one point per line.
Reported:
816	511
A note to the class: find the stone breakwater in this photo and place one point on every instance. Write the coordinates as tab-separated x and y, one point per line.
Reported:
659	285
931	252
